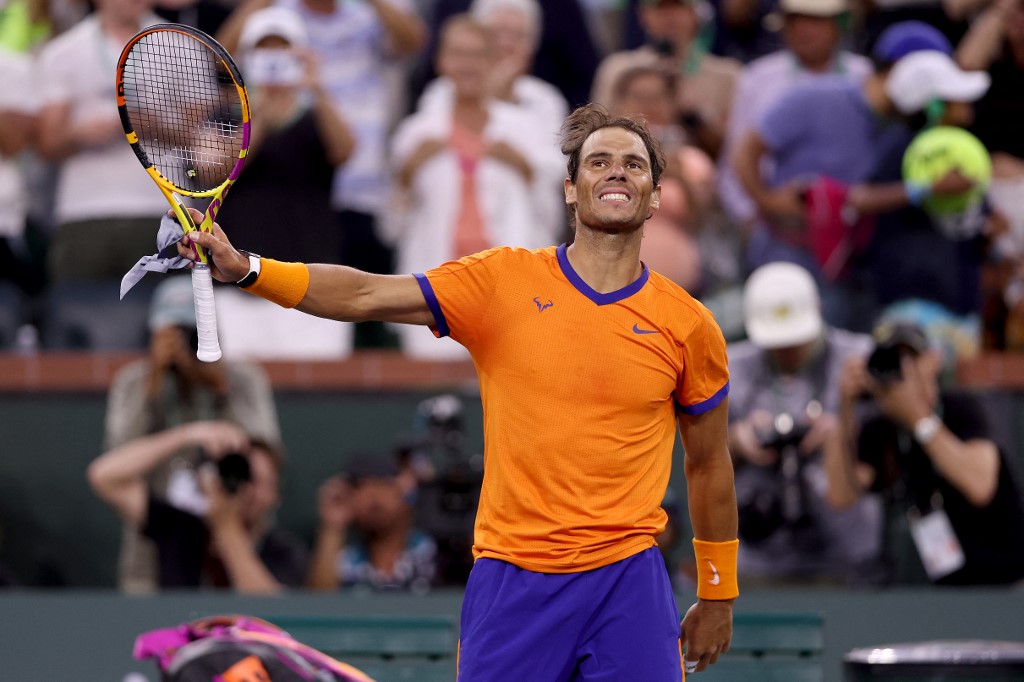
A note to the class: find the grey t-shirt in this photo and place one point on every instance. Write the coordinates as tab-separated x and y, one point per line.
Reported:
834	546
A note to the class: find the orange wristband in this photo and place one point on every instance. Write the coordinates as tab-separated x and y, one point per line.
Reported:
716	569
282	283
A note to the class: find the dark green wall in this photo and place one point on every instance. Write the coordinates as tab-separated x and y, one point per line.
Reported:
57	532
87	637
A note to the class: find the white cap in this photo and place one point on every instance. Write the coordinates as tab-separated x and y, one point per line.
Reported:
781	307
273	21
814	8
927	75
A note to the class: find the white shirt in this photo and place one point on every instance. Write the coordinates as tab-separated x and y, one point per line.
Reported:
78	67
421	223
17	95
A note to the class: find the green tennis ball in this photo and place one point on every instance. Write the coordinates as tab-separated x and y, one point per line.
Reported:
937	151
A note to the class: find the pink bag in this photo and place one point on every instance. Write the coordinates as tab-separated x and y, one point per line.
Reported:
238	649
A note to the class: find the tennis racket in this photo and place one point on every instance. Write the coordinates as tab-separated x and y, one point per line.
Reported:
185	113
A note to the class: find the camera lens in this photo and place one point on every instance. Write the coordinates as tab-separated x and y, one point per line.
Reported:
234	471
884	364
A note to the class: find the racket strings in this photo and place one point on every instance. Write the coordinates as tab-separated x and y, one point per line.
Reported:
182	102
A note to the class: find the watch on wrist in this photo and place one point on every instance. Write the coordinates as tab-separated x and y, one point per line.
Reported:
254	269
926	428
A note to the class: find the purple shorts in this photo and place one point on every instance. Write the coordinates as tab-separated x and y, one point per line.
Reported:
617	622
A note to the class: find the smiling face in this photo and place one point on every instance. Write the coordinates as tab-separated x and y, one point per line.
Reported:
614	189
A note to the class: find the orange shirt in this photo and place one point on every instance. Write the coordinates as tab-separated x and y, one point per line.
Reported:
580	391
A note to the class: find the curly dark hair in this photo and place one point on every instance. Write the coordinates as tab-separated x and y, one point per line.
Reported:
588	119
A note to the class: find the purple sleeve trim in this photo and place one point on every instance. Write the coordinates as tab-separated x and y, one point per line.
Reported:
432	303
706	405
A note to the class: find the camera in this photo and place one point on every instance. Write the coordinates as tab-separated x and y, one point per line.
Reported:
447	504
785	432
770	498
884	364
893	341
233	470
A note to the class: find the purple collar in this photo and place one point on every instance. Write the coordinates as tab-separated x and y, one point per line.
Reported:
596	296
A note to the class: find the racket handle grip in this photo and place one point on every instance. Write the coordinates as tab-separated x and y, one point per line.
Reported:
206	313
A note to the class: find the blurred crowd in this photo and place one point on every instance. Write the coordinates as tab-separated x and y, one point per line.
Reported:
393	135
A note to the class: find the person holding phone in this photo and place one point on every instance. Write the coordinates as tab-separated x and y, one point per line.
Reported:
299	139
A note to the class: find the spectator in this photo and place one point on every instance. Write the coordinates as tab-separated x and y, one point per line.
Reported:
812	33
515	30
706	82
474	173
106	206
949	17
387	552
171	388
298	139
850	134
565	56
995	43
24	25
783	408
206	15
18	120
932	454
358	44
217	530
669	245
745	29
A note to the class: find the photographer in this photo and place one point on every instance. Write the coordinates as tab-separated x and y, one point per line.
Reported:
169	387
784	399
932	453
366	536
215	526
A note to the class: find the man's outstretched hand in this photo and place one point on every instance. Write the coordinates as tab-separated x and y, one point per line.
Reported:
226	263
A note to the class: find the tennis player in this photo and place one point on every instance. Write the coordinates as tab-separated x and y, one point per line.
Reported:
587	360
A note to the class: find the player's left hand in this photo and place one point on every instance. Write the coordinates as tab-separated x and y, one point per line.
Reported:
706	633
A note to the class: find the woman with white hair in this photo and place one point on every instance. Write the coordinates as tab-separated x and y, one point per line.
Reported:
472	172
515	27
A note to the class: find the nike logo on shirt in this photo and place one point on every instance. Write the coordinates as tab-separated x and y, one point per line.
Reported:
638	330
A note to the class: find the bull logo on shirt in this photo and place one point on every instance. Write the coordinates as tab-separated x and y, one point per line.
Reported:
541	307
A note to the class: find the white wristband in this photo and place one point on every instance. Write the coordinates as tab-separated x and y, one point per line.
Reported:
926	428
